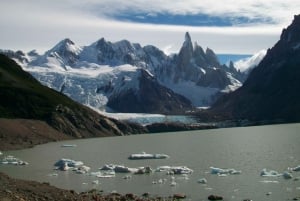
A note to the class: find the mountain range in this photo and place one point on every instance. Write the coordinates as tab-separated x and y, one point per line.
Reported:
126	77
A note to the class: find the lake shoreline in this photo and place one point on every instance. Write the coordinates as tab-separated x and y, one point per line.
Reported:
17	189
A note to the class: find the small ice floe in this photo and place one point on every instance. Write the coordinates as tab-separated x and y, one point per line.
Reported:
66	164
269	173
295	169
160	181
53	175
287	175
1	153
96	182
69	145
123	169
174	170
143	170
144	155
202	181
104	174
82	169
11	160
270	181
224	172
173	182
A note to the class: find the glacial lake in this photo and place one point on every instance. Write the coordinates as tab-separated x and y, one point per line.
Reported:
246	149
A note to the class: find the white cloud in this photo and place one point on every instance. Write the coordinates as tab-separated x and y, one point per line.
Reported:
40	24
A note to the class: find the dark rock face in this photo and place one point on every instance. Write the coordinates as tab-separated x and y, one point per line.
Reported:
151	97
271	91
203	68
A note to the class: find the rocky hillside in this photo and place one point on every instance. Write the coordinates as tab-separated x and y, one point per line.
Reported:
271	91
23	97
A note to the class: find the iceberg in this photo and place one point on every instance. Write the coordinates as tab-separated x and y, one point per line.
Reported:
11	160
105	174
287	175
202	181
68	145
295	169
224	172
174	170
82	169
144	155
269	173
118	168
68	162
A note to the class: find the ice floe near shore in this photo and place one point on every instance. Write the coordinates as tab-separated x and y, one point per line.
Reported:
144	155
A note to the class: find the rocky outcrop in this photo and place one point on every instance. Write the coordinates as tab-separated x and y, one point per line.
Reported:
271	90
150	97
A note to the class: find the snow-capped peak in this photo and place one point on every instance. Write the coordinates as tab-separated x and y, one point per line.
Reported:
65	45
247	64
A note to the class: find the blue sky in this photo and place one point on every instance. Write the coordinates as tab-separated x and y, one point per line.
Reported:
226	26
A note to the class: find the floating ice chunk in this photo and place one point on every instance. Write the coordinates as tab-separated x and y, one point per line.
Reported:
1	153
143	170
118	168
173	183
224	172
82	169
296	169
202	181
96	182
69	162
107	167
11	160
287	175
68	145
144	155
53	175
174	169
105	174
269	173
270	181
124	169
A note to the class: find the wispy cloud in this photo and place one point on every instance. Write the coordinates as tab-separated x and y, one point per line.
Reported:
245	26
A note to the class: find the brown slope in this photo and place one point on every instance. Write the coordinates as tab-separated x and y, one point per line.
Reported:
22	97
